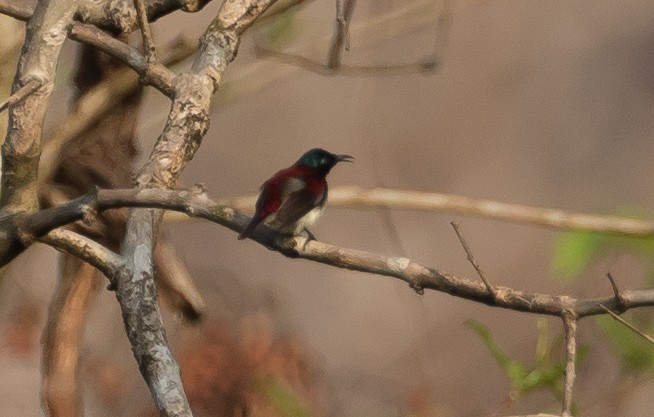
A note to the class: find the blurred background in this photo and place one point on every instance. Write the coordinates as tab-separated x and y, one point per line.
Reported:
539	103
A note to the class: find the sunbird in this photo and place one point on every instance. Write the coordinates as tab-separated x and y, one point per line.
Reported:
294	198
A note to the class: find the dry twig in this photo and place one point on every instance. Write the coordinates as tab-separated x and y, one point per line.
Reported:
630	326
570	329
471	259
146	32
344	11
358	197
18	96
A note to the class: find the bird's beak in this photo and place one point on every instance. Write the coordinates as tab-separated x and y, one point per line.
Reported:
344	158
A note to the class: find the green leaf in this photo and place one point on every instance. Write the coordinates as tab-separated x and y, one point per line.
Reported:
527	378
573	252
283	398
636	355
280	31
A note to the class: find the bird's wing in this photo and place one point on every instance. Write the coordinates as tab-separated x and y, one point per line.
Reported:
297	201
263	208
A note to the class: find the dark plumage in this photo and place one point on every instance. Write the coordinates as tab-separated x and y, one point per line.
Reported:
293	198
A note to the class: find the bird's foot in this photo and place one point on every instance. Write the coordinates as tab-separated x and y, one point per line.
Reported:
310	237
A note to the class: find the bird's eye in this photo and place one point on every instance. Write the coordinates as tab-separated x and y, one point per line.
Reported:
323	161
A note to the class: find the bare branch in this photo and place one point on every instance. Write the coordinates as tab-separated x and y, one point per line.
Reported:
493	209
118	17
152	74
420	67
357	197
570	328
187	124
11	9
103	259
376	30
136	294
146	32
18	96
471	259
46	33
344	13
630	326
97	102
196	203
62	337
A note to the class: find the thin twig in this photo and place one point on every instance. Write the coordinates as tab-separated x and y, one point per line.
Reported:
153	74
411	17
570	329
358	197
420	67
96	103
630	326
20	94
146	32
471	259
344	11
150	73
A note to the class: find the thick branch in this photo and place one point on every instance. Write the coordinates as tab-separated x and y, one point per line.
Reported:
116	16
187	124
46	33
63	335
150	73
196	203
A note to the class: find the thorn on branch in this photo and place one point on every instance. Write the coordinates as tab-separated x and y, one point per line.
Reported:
620	301
22	93
491	290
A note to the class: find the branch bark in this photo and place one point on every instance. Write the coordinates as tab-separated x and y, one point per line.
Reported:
46	32
419	277
115	16
187	124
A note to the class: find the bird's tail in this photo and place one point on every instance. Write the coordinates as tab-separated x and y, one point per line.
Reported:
247	232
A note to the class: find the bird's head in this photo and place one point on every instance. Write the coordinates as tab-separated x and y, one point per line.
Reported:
322	160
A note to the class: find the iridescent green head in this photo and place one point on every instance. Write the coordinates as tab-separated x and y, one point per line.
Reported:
321	159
